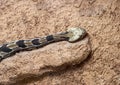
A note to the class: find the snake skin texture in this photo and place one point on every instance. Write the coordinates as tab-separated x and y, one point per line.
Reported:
9	49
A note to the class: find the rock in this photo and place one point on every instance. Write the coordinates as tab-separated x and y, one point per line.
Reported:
51	58
24	19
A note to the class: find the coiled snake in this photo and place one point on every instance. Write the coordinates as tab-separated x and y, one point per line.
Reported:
71	35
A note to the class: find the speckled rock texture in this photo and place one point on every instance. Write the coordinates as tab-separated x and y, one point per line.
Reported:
51	58
24	19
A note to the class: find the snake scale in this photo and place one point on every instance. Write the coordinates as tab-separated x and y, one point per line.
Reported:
71	35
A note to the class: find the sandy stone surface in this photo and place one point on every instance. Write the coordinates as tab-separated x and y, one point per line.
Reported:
24	19
52	58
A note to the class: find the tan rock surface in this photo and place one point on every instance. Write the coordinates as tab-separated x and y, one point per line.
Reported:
22	19
51	58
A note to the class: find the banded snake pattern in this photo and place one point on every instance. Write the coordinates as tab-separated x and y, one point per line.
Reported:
71	35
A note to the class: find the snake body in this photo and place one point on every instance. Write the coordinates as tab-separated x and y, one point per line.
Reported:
71	35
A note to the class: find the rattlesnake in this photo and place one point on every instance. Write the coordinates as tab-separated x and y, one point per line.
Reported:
71	35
